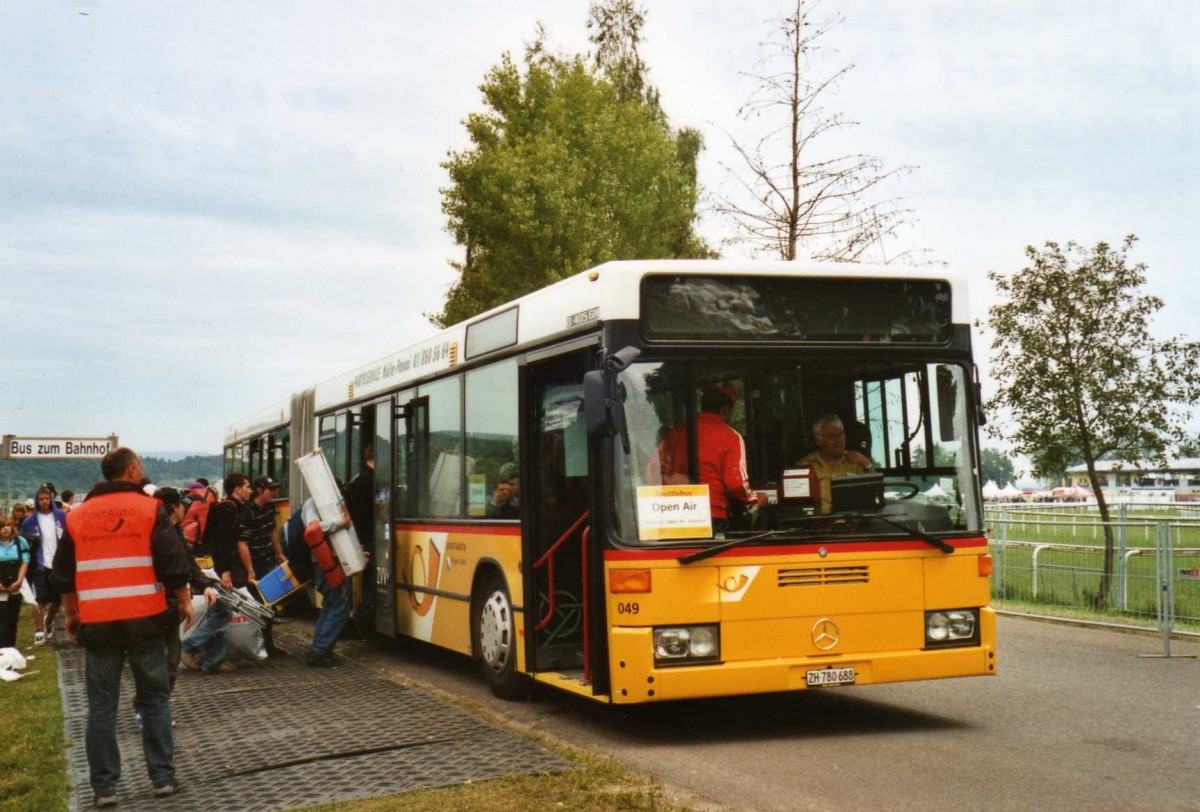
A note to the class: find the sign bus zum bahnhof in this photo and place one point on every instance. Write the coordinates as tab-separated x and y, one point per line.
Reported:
56	448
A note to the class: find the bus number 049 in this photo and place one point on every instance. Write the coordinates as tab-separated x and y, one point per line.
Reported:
627	608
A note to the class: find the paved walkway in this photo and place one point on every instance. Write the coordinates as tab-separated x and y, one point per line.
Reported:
284	736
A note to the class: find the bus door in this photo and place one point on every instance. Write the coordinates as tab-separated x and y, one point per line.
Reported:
385	595
554	509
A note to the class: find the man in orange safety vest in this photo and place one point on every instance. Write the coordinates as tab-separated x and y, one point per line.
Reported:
114	562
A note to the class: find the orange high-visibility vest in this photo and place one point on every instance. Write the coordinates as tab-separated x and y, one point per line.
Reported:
114	571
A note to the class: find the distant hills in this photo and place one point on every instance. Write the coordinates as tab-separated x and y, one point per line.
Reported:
20	479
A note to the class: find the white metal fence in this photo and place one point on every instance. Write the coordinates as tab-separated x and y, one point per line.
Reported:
1050	558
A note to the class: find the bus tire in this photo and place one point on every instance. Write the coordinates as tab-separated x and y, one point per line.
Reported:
496	639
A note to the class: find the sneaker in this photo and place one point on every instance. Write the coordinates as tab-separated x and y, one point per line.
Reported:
221	668
39	638
49	634
103	799
189	660
165	789
137	717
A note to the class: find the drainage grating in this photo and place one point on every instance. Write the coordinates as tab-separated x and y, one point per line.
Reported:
284	736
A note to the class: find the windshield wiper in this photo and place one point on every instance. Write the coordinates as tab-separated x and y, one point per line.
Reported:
709	552
850	518
932	541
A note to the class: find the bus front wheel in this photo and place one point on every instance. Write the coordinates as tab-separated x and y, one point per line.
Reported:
496	639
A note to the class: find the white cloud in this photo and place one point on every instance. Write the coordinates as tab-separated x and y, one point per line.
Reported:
206	206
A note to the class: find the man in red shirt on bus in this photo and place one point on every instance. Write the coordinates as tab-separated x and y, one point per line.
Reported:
720	452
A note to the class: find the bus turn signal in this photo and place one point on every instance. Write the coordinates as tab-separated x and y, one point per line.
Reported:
629	580
985	566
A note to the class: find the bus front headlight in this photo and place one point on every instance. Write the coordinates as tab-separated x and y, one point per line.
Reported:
686	645
951	627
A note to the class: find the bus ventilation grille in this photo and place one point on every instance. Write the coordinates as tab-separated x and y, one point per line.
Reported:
824	576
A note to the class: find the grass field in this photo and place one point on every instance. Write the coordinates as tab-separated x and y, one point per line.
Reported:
1082	526
1067	575
33	761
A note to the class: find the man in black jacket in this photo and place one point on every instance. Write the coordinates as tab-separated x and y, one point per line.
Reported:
114	560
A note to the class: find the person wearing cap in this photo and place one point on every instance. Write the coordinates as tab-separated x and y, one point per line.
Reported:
259	549
720	452
43	528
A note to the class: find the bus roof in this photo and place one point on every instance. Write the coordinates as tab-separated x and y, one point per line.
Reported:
607	292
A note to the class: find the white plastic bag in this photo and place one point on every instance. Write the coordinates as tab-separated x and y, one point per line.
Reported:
243	636
11	659
245	639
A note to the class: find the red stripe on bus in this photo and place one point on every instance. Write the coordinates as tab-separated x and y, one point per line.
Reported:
468	529
792	549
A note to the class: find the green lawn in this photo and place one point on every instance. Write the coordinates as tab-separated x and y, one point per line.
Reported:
1082	526
1069	579
33	761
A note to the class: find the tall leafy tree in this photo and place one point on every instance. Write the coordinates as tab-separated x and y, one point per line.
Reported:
615	28
1080	372
996	466
793	192
567	169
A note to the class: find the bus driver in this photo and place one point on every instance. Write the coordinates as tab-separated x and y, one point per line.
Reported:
831	459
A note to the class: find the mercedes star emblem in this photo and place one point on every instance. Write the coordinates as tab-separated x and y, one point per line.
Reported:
825	634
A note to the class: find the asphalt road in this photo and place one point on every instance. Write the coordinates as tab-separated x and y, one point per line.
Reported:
1075	719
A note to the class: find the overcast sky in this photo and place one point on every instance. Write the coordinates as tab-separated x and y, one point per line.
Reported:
207	205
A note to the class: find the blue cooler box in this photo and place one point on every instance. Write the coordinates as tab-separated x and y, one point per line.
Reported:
278	584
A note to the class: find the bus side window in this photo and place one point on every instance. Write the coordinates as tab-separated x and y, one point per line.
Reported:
328	439
493	480
280	458
256	457
404	447
443	474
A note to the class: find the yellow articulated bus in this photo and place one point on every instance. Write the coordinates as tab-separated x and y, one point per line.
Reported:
667	479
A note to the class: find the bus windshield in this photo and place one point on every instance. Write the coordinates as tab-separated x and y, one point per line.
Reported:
908	418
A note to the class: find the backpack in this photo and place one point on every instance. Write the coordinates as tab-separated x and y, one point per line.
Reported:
195	521
295	548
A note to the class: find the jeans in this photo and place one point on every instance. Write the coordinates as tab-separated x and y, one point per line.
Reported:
335	611
207	642
148	661
10	619
171	639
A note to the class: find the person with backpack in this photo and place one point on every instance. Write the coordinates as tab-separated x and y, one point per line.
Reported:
199	501
205	650
14	563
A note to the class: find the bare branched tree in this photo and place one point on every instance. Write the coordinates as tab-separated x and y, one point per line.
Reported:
792	196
